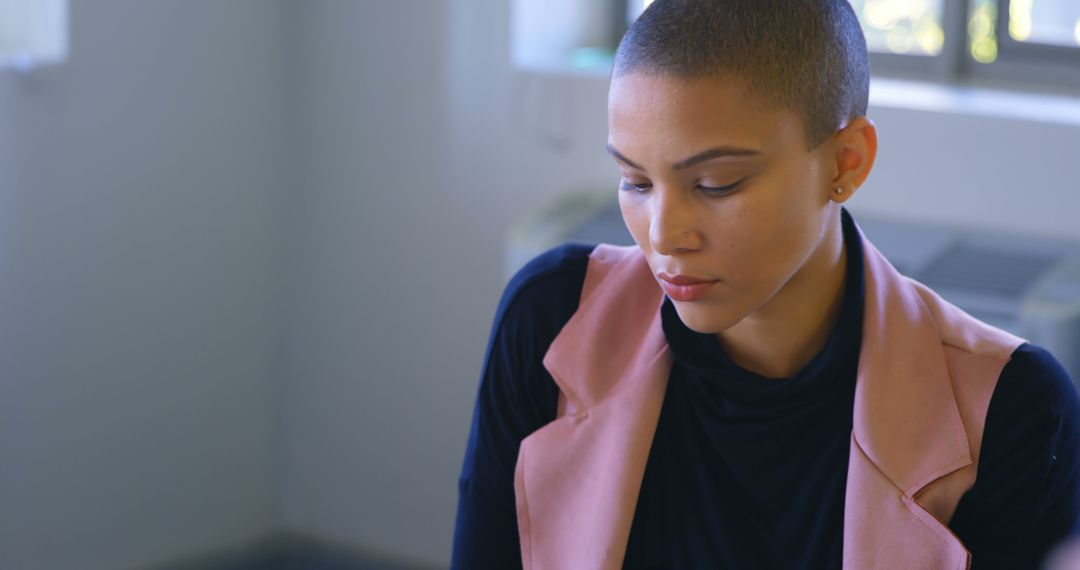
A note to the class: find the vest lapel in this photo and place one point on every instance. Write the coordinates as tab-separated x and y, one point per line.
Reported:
907	432
577	479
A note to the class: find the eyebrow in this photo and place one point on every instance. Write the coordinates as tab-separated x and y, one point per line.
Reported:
715	152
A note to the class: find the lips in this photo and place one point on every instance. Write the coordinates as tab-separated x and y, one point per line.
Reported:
685	287
683	279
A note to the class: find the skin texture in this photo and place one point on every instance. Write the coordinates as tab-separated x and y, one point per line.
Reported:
774	241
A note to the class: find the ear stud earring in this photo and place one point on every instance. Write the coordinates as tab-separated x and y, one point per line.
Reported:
839	190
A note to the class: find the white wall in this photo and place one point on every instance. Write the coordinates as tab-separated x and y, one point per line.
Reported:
976	171
139	203
413	172
386	310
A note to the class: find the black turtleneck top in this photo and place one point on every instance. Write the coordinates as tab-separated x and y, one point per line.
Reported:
741	463
749	472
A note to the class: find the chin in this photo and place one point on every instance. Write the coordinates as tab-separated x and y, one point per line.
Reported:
706	319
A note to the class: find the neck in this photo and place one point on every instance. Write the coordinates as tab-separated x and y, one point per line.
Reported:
778	339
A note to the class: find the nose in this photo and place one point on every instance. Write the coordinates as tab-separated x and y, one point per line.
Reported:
671	222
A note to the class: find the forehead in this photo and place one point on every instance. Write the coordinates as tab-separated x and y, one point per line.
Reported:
680	115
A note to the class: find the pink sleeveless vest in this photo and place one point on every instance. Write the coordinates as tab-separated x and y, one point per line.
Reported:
926	373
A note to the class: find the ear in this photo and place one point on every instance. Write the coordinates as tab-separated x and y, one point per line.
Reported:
855	149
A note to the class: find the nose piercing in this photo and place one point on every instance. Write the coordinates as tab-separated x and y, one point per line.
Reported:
686	234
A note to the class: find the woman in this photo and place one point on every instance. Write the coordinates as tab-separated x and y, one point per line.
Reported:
752	385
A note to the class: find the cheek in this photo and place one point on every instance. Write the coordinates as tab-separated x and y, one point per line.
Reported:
758	242
777	247
750	255
636	217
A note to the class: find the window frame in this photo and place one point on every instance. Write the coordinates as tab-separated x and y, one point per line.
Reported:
944	65
1020	66
1035	64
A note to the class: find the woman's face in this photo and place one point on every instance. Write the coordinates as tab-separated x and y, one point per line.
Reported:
715	186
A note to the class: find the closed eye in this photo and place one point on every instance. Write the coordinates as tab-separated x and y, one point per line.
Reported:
641	187
720	189
628	187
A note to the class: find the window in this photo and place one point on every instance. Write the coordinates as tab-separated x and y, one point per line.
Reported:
903	27
32	32
1031	40
1049	22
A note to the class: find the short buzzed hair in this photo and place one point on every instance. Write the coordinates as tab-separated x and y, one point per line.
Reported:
808	56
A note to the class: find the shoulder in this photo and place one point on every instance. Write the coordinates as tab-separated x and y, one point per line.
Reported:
1026	495
1034	412
559	261
537	302
516	390
549	282
1034	381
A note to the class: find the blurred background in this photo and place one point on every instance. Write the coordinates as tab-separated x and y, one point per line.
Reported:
250	250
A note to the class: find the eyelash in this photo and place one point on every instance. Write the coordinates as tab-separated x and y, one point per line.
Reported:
716	191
